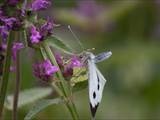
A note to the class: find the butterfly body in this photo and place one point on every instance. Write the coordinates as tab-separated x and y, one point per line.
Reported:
96	80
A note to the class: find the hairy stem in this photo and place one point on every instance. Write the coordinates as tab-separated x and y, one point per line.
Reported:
6	71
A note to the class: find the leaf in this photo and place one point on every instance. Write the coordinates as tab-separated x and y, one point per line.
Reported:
59	44
28	96
79	79
80	86
40	105
79	75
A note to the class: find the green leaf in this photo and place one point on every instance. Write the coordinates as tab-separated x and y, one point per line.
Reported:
59	44
79	75
40	105
28	96
79	79
80	86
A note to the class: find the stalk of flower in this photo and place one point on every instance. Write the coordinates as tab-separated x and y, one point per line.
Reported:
16	58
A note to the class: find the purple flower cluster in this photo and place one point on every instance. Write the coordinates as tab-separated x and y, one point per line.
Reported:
68	68
44	70
35	35
40	4
40	34
7	24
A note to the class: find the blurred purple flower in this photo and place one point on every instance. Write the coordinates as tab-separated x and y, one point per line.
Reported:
59	59
44	70
40	4
16	46
68	70
47	28
12	68
13	2
88	8
35	35
9	21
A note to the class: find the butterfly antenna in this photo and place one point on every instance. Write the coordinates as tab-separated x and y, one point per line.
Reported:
74	35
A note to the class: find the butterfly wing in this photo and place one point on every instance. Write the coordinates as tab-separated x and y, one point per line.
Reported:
96	85
101	84
93	81
102	56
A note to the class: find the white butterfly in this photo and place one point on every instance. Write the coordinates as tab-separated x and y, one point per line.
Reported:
96	80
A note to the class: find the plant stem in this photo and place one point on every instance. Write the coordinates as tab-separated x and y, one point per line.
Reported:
53	61
17	82
17	86
6	71
64	88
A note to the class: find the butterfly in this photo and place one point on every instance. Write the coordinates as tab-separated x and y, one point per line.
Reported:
96	79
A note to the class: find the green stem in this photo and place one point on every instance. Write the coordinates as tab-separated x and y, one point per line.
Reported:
6	72
65	99
25	38
17	87
17	82
64	88
53	61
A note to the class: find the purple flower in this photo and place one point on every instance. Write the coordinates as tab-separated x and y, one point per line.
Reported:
68	70
9	21
47	28
88	8
40	4
44	70
16	46
35	35
13	2
12	68
4	32
75	62
59	59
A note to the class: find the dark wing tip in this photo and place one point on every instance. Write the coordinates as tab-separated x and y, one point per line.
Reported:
93	109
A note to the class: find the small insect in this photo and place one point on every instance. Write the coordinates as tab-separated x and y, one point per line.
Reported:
96	79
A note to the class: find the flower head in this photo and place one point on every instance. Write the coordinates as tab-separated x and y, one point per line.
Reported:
44	70
68	70
35	35
9	21
59	59
16	46
40	4
47	28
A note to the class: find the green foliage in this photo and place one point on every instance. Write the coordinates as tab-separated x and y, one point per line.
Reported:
79	75
28	96
56	42
40	105
79	79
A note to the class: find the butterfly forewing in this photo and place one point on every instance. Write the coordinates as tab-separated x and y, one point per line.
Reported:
96	80
93	93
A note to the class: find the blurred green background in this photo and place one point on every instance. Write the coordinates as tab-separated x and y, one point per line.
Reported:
131	30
